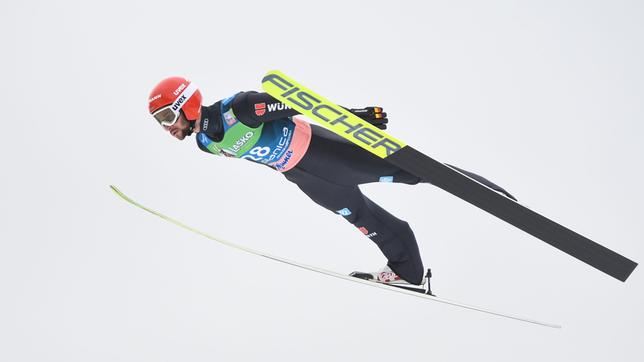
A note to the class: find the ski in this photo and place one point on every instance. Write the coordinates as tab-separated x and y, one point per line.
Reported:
416	293
376	141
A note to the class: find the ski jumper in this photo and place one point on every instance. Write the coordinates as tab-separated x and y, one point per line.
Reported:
326	167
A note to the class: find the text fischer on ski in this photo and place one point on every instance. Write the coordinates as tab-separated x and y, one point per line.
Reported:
257	127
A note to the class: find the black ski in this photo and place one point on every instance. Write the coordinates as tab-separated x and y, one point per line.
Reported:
514	213
398	153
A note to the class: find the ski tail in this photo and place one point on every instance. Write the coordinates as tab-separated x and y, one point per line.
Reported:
479	195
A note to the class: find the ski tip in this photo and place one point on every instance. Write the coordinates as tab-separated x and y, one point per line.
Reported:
271	72
115	189
268	77
119	193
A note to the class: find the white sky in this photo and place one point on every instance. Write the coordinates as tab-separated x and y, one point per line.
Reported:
542	97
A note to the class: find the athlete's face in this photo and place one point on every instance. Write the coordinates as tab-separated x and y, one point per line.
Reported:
180	129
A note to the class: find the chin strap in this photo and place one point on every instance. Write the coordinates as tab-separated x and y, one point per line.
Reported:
191	128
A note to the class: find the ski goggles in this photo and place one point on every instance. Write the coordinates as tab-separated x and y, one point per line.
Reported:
168	115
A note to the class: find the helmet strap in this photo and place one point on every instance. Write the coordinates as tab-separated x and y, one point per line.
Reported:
191	124
190	129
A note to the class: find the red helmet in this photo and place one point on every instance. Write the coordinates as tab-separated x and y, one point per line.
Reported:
173	95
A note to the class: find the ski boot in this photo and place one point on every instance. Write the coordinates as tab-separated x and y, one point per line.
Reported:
389	277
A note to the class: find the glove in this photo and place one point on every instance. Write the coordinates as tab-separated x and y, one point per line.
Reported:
373	115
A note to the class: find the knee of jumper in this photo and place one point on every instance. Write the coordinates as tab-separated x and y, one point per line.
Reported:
348	214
